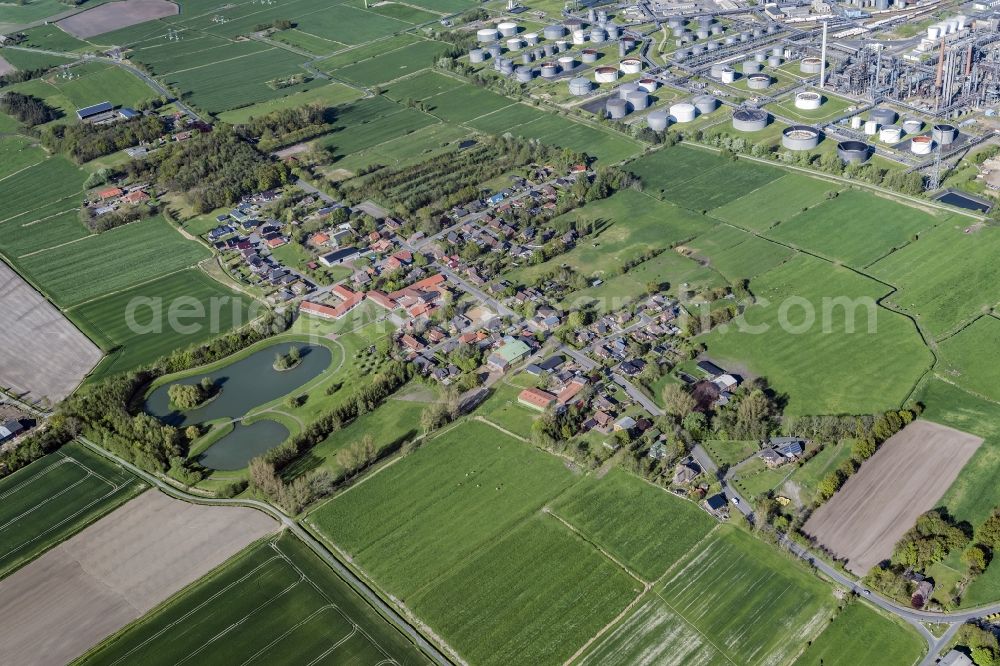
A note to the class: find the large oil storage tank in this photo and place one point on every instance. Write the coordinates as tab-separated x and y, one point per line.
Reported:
680	55
705	103
717	29
749	120
933	32
855	122
776	51
631	66
658	120
697	49
531	38
809	101
554	32
606	74
567	63
579	86
477	55
617	108
614	31
728	75
944	134
524	74
890	134
745	36
882	116
649	85
638	99
598	35
729	41
506	66
712	46
760	57
716	70
527	58
579	37
494	50
854	151
810	65
675	22
774	61
549	50
758	81
549	70
515	44
487	35
507	28
912	125
683	112
921	145
800	137
871	128
702	33
626	88
588	55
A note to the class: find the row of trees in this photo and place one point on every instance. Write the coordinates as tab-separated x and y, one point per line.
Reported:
28	109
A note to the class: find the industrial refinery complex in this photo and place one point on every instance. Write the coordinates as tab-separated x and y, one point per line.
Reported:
913	84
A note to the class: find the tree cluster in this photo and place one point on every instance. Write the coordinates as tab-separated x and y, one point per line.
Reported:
287	126
293	497
85	141
27	109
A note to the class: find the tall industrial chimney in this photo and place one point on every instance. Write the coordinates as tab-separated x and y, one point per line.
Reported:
822	59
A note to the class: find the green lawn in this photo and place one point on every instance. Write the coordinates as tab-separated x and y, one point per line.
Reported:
24	236
331	95
946	278
392	65
106	320
17	153
276	602
503	409
738	254
38	187
111	261
857	228
728	452
810	349
55	497
647	540
862	635
777	201
963	356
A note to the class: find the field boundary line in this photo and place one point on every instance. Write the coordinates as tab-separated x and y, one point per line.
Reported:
696	629
583	535
218	62
130	287
32	210
685	556
295	626
30	166
54	247
32	479
600	632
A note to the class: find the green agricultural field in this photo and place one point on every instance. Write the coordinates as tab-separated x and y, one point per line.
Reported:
305	41
737	613
392	65
863	635
857	228
106	320
940	291
454	530
276	602
775	202
405	12
332	94
738	254
415	147
40	186
91	83
668	168
422	86
33	60
647	541
163	58
111	261
370	122
465	103
727	182
534	596
963	357
364	51
809	348
17	153
55	497
627	225
21	236
18	14
51	38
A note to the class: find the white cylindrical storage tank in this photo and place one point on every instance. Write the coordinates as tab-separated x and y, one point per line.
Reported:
890	134
702	33
776	51
730	40
638	99
717	29
800	137
712	46
554	32
944	133
625	88
758	81
810	65
614	31
524	74
487	35
631	66
809	101
912	125
561	45
705	103
588	55
855	122
680	55
962	21
598	35
774	61
616	108
549	70
760	57
549	50
579	86
658	120
749	120
526	58
515	44
751	67
531	38
952	25
606	74
697	49
507	28
716	70
579	37
649	85
921	145
728	75
933	32
757	33
566	63
744	36
506	66
477	55
871	127
682	112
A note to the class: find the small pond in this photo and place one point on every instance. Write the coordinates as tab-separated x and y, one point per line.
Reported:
964	201
235	450
245	384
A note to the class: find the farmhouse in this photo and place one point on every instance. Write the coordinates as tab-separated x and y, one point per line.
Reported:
10	429
686	472
536	398
716	505
338	257
95	112
507	354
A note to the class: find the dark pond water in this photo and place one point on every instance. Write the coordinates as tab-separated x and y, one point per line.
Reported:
246	384
235	450
956	199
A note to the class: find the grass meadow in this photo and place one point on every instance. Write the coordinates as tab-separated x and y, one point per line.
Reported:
276	602
963	357
37	187
738	254
777	201
862	635
55	497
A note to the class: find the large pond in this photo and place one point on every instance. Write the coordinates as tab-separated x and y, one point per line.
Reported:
245	385
235	450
